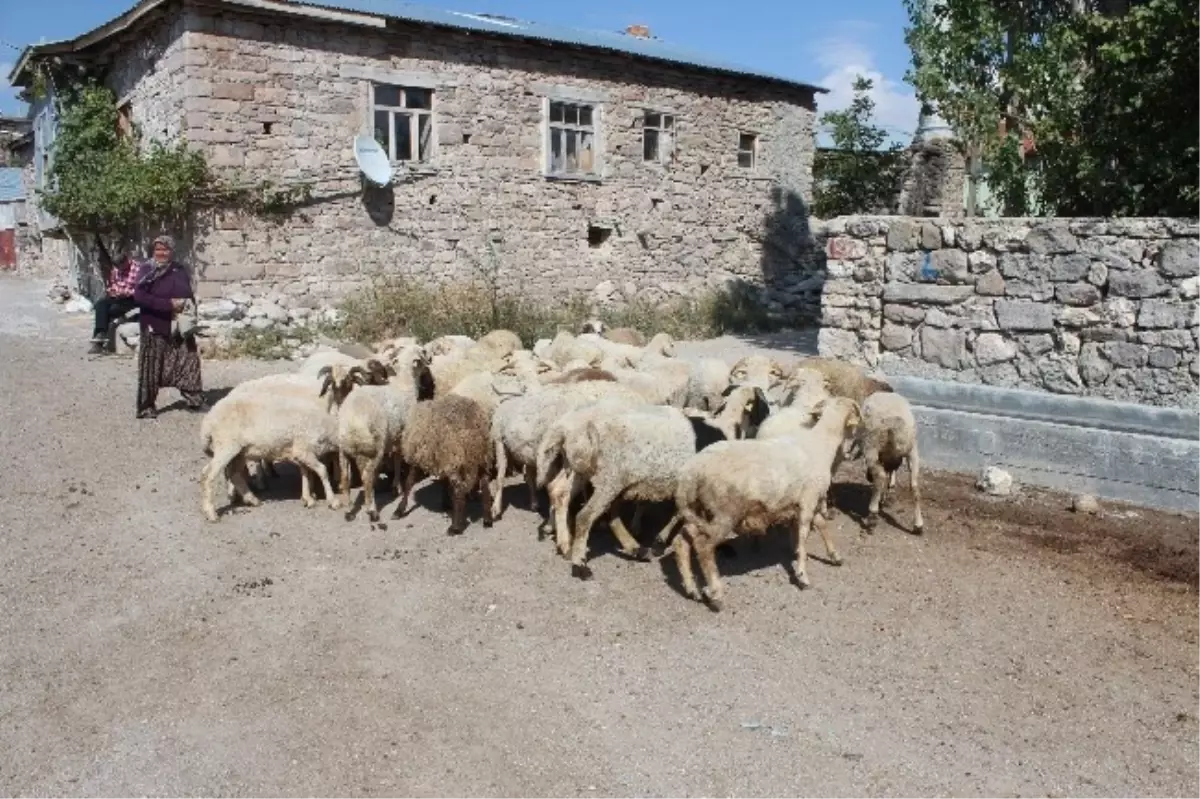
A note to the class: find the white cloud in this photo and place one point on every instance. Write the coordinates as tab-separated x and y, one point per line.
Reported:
844	57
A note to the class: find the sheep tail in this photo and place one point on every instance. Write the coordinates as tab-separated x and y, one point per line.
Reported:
549	457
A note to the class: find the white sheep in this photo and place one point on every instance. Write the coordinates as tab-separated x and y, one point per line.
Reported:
628	452
519	425
759	370
887	439
740	487
800	396
371	420
707	380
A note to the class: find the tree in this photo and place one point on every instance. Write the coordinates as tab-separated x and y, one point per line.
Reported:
859	175
1110	100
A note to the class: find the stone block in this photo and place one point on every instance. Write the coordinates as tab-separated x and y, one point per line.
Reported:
1136	284
1078	294
834	343
1024	315
1093	368
903	235
945	347
1035	345
1164	358
1179	258
1097	274
990	284
931	236
981	261
1050	239
993	348
951	266
1069	267
895	337
235	268
844	248
1190	288
1125	354
923	293
233	91
905	314
1155	314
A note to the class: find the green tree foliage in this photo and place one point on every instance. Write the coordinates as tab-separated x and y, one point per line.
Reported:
859	175
1111	101
106	183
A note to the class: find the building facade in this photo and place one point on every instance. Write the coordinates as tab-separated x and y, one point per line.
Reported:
610	165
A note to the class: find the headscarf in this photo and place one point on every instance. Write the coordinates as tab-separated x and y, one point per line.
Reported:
157	270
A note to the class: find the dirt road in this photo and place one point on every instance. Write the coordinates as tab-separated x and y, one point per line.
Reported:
1015	649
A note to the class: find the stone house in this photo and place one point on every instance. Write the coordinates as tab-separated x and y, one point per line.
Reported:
609	163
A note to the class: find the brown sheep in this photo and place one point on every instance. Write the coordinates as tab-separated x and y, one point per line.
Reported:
845	379
580	375
450	438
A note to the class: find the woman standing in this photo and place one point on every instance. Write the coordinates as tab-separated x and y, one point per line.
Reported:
165	359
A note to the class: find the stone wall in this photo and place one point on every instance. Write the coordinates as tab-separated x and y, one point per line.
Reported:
1103	308
282	102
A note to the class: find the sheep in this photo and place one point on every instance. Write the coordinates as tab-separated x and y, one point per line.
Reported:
888	438
519	424
268	427
845	379
448	437
489	390
500	342
444	345
566	348
595	326
707	380
371	420
450	369
320	359
801	394
631	453
626	335
582	374
758	370
740	487
664	386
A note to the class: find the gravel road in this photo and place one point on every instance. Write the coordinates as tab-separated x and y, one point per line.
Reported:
1015	649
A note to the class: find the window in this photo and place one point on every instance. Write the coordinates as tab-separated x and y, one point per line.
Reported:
658	137
403	120
572	149
747	150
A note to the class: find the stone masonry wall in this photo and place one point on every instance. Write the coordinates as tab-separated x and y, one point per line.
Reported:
267	100
1103	308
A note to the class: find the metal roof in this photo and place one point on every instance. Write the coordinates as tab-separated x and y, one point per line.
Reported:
492	24
613	41
12	188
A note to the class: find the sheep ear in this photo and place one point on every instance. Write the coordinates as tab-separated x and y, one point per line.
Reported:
818	408
356	374
729	390
326	384
324	372
761	408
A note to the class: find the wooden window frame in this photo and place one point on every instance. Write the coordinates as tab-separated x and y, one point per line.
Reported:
752	151
576	131
395	115
662	124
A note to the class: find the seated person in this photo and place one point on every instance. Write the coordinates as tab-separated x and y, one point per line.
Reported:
118	300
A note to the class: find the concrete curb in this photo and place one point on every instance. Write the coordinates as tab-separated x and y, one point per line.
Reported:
1139	454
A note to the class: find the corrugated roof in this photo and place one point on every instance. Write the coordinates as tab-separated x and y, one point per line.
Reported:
12	189
496	25
613	41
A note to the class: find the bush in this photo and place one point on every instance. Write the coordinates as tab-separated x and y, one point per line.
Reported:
396	307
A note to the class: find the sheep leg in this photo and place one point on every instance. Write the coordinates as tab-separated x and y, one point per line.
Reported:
600	501
714	589
448	493
821	520
636	521
878	477
458	513
397	468
258	476
665	534
306	497
914	485
410	479
221	460
561	490
800	564
485	496
344	476
629	544
497	502
366	468
312	463
683	562
531	484
236	474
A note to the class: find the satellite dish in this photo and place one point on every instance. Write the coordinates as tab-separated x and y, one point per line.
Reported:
372	160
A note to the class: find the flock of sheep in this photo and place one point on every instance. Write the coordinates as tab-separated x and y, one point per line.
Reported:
602	414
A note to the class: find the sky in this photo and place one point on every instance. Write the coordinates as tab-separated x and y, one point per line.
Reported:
823	43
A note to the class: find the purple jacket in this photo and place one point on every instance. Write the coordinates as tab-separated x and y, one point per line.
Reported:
154	299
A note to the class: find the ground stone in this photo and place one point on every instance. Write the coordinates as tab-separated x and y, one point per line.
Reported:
995	481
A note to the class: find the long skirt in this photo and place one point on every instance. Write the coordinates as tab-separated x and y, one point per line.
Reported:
167	362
